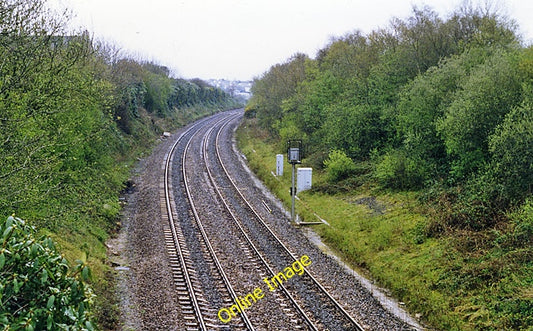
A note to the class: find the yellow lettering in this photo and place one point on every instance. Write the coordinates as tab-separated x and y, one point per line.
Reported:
303	260
224	320
234	307
273	280
298	267
258	293
248	300
288	272
244	302
268	283
239	303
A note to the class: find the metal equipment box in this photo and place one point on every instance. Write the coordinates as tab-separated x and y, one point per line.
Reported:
304	179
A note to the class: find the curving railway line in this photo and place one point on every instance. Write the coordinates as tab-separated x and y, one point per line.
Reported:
234	260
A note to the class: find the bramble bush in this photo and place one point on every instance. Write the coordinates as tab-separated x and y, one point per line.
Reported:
38	290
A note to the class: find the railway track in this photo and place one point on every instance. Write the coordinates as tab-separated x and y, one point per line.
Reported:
232	252
196	310
270	247
258	257
223	254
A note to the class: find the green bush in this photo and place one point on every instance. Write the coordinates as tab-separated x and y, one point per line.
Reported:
355	129
397	170
338	166
479	106
523	224
37	289
512	154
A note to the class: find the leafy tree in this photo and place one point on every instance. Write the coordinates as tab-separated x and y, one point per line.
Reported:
423	38
473	27
422	104
355	129
484	98
41	94
127	78
348	57
278	84
289	130
511	147
71	113
424	98
307	106
398	170
158	89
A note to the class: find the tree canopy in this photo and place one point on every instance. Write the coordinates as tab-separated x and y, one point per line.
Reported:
73	117
429	101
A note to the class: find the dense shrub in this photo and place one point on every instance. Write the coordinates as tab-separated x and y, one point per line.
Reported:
338	166
355	129
479	105
512	155
441	106
38	291
523	224
73	118
398	170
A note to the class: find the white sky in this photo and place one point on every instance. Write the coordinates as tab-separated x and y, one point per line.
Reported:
241	39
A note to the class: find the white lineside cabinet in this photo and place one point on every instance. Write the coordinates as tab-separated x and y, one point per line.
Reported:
304	179
279	165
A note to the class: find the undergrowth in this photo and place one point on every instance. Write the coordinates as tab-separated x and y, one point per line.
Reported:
461	279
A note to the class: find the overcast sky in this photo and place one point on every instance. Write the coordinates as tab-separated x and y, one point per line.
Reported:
241	39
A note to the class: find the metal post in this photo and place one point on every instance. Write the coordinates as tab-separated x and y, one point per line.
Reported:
293	193
294	156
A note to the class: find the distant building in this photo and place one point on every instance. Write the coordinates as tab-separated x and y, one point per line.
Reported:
236	88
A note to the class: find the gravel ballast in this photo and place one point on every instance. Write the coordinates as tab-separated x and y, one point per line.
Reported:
145	287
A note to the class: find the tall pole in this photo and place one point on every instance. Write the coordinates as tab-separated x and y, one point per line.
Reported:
294	155
293	193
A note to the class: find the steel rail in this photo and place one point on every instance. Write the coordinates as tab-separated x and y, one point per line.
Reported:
248	240
177	245
206	238
276	238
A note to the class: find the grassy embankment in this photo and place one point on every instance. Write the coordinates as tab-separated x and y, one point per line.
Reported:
74	118
466	282
84	235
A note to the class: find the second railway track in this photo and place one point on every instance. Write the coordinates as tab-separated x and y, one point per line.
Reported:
314	301
221	248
